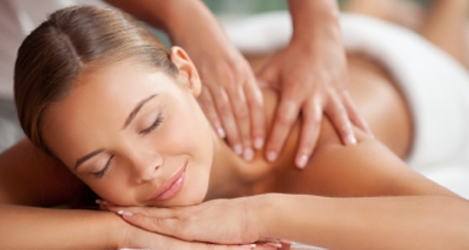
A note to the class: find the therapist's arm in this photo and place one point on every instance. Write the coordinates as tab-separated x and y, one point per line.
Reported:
311	77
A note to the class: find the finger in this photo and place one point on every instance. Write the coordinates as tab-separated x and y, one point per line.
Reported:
285	116
208	106
268	76
146	211
224	110
339	118
171	226
241	112
310	127
354	115
255	101
184	245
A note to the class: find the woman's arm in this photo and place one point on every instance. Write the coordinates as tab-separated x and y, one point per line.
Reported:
412	222
45	228
425	222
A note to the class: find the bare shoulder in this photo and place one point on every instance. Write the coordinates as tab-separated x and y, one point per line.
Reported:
29	177
366	169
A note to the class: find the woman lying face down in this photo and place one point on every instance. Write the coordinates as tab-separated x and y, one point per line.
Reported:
96	91
101	94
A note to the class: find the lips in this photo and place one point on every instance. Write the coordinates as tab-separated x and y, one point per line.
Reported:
171	187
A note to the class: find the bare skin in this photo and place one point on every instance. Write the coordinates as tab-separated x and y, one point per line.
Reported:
369	84
28	190
367	169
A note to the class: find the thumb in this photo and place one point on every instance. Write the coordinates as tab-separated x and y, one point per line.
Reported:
268	77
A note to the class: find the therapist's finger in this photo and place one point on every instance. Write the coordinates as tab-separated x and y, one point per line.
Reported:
208	106
255	102
285	116
339	118
241	113
354	115
224	110
310	127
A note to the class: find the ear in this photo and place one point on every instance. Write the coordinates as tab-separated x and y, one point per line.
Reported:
187	70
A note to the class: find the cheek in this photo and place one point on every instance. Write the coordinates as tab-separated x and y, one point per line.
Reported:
191	132
113	191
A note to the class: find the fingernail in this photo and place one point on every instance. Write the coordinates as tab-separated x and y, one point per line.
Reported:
248	154
221	132
101	202
273	244
302	160
125	213
271	156
238	149
351	139
258	143
249	246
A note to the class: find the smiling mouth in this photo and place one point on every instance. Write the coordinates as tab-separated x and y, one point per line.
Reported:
171	187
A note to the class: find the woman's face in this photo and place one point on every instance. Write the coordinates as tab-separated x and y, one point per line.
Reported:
134	135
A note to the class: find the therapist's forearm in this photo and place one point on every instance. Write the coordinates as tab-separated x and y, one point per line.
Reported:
182	20
314	19
423	222
40	228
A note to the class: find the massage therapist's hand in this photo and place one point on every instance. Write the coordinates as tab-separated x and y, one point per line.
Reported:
230	96
224	221
310	75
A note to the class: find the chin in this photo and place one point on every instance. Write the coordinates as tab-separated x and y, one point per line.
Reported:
189	199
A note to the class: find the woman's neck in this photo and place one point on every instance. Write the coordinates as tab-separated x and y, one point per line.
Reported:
226	179
231	176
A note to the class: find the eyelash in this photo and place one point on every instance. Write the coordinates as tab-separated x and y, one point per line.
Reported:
153	126
101	173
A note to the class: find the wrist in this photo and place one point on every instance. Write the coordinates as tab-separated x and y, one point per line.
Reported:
267	210
313	20
188	21
118	231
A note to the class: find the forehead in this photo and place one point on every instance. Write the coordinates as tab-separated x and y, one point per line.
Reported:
99	102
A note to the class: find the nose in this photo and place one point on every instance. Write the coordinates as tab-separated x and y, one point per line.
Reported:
144	164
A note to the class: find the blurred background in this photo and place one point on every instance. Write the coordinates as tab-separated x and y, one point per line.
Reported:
229	10
246	7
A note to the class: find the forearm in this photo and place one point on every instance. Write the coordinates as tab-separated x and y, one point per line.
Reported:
424	222
41	228
314	19
182	20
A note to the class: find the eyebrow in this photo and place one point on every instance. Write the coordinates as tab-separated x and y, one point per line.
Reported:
136	109
126	124
87	157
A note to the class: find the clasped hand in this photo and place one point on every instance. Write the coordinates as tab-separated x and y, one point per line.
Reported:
215	225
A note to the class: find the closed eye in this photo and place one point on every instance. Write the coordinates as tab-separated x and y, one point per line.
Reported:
101	173
155	125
